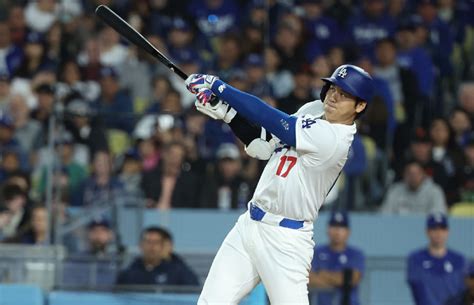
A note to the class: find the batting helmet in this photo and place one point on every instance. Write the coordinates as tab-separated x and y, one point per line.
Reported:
351	79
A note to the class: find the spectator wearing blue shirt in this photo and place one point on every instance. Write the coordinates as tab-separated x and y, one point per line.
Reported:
370	25
435	273
337	268
10	55
114	105
323	30
152	268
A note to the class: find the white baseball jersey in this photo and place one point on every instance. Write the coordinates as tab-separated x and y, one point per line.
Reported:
296	180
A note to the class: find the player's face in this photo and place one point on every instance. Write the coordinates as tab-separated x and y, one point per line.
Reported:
438	237
338	235
340	106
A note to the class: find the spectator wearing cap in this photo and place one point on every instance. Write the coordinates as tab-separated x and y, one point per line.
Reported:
416	193
100	238
114	105
435	273
8	144
151	268
41	14
28	132
45	96
254	67
131	172
84	126
35	58
163	186
5	89
189	61
439	39
10	55
413	56
226	188
337	267
467	296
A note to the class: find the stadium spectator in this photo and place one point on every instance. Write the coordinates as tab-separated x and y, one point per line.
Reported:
41	14
466	98
467	296
164	185
17	24
112	53
435	273
254	67
225	187
130	174
337	266
85	127
11	55
417	193
4	90
319	69
226	61
413	56
100	239
171	103
9	145
5	217
114	105
35	232
301	94
287	42
151	269
281	80
15	200
160	86
102	188
89	60
45	96
466	184
71	83
35	58
369	25
28	132
461	125
214	17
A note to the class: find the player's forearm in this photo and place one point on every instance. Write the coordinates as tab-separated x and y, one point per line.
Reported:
319	280
336	278
258	112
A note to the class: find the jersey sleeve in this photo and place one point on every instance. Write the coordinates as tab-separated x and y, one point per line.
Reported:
315	139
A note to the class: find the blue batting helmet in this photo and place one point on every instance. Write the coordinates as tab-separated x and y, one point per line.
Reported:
351	79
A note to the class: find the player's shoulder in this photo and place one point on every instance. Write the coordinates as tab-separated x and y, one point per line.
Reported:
418	254
456	256
354	251
314	108
322	249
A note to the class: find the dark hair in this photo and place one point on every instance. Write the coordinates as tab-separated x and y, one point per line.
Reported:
10	191
158	230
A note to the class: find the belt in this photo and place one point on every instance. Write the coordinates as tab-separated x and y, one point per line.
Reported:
258	214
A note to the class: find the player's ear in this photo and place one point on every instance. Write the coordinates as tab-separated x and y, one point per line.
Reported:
360	106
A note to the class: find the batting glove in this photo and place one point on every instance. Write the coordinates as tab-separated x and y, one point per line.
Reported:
196	82
219	111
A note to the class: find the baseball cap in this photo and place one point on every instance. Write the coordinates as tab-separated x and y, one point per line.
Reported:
99	222
180	24
339	219
228	151
5	76
254	60
78	107
45	88
132	153
108	72
34	37
6	120
437	220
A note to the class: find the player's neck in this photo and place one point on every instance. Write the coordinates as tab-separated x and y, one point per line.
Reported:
337	247
437	251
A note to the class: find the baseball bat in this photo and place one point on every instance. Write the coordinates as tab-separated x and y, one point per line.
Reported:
126	30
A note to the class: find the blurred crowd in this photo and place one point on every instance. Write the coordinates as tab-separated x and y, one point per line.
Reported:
87	119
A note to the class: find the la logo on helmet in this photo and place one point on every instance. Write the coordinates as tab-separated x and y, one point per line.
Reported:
342	73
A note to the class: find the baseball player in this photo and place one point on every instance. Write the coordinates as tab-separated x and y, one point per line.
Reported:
272	241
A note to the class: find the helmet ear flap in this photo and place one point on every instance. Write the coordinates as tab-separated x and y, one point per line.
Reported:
324	90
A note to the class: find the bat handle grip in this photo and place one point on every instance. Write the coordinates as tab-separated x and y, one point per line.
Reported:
214	100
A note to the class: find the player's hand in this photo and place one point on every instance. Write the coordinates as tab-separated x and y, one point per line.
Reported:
196	82
219	111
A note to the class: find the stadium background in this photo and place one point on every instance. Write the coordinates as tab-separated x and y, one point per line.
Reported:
89	124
